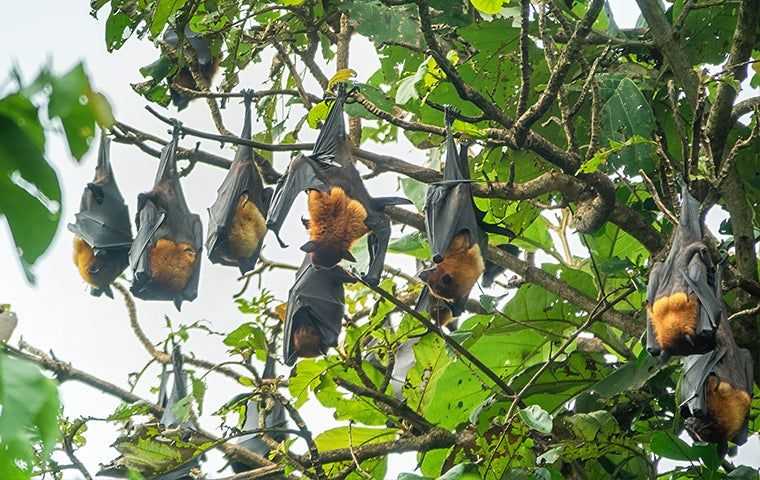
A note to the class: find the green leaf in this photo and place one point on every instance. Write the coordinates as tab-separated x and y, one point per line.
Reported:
382	23
742	472
537	418
463	471
407	89
164	9
118	30
413	244
489	7
339	437
666	444
415	191
631	376
29	403
317	114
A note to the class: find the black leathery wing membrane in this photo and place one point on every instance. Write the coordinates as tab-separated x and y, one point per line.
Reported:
684	305
103	224
165	256
331	165
315	301
716	392
275	420
237	219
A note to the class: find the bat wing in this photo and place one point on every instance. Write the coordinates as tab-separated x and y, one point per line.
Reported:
696	370
332	135
223	210
179	391
654	279
711	305
299	177
403	363
149	220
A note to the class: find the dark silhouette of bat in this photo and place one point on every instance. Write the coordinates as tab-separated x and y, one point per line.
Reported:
170	393
683	296
103	233
314	314
165	256
275	419
208	65
456	232
716	392
237	222
340	209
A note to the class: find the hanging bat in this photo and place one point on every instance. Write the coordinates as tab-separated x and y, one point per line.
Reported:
140	438
314	314
684	304
716	392
165	254
102	231
237	222
208	65
340	209
275	419
456	230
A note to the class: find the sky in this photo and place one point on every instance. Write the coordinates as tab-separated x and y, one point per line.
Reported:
93	334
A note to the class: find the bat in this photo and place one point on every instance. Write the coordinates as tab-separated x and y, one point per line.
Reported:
716	392
143	437
314	313
439	309
456	232
340	209
102	230
684	304
165	256
275	419
208	65
237	222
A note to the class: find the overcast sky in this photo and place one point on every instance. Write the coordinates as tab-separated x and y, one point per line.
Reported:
58	314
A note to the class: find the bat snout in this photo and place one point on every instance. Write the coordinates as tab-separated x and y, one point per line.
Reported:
425	275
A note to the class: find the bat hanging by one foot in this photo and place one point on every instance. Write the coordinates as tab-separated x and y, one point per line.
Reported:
340	209
684	293
237	219
103	233
165	256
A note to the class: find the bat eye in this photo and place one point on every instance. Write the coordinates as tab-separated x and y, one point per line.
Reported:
446	279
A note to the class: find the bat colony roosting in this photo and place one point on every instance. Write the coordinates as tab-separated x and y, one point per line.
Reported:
685	310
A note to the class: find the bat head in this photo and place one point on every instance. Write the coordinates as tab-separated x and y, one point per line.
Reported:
325	254
97	267
454	277
307	342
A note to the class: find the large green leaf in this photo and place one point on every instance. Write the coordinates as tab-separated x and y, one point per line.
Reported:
163	10
29	403
626	113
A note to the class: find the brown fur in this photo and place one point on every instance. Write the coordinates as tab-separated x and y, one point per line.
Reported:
674	318
98	272
462	265
727	407
336	221
247	229
306	341
171	264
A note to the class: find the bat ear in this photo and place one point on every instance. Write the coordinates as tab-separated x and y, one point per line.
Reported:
425	275
309	246
347	256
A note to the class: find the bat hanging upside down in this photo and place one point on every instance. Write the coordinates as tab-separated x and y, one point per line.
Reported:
102	231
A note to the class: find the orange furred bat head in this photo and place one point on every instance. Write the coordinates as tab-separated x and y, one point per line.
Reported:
307	341
97	270
246	230
454	277
171	264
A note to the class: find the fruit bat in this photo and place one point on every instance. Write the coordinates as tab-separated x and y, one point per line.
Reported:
456	231
207	65
165	256
237	222
103	233
160	466
716	392
275	419
314	314
340	209
684	303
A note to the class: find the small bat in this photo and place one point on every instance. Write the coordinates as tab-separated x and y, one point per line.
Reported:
103	233
237	222
456	230
208	65
165	256
716	392
314	314
340	209
161	466
275	419
684	303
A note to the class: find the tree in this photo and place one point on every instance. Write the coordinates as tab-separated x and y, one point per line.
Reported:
575	119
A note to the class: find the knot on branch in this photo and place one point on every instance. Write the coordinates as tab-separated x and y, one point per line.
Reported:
595	204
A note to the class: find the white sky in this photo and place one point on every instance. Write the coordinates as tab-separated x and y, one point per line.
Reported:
58	313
